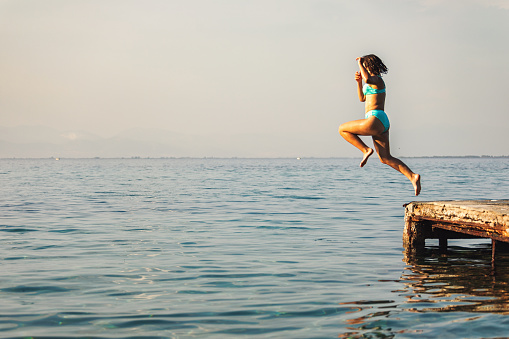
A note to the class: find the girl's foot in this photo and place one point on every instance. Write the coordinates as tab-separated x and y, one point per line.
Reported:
366	156
416	181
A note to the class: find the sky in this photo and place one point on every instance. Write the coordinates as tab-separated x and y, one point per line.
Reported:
252	77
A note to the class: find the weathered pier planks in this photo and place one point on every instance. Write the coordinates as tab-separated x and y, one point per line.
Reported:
453	220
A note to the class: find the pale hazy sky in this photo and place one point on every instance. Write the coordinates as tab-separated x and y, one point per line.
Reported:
282	68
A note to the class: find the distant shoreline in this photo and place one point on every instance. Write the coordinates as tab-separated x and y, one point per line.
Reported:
274	158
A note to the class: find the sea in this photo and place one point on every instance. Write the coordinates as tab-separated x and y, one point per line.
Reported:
241	248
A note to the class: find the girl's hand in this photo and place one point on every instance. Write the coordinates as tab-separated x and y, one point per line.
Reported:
358	77
359	60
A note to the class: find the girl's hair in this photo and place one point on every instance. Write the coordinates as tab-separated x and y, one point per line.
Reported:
374	64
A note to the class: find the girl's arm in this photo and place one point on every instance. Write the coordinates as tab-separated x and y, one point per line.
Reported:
364	73
358	78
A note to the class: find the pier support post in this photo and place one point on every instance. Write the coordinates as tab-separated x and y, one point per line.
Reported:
493	252
442	243
414	235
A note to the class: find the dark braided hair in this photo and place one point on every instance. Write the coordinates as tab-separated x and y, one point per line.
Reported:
374	64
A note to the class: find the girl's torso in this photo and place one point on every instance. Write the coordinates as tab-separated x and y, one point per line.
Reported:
375	95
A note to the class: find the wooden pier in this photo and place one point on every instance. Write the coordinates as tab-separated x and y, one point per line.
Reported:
456	220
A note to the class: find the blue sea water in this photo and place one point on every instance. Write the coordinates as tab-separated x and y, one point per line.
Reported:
234	248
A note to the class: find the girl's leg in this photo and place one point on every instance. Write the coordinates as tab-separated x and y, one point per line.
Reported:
350	131
382	147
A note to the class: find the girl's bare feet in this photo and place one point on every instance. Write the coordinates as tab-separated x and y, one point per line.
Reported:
416	181
366	156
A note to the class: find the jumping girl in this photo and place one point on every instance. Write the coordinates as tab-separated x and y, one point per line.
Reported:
376	123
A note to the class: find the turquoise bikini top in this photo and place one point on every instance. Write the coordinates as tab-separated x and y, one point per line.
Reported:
367	90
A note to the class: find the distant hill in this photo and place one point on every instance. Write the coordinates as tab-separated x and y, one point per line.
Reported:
42	141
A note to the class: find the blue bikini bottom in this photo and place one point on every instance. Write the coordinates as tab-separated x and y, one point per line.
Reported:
380	115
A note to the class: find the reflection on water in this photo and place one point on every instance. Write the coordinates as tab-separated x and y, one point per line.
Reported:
460	283
460	280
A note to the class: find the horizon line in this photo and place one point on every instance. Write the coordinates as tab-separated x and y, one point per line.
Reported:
240	157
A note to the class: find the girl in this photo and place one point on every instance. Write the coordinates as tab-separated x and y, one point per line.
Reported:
376	123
